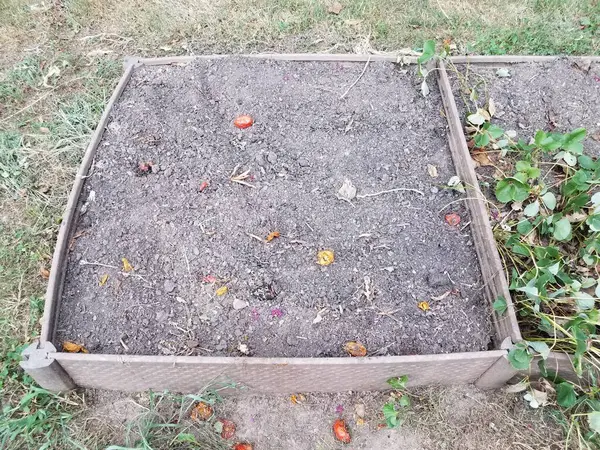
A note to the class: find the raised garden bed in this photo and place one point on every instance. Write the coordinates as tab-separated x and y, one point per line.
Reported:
314	129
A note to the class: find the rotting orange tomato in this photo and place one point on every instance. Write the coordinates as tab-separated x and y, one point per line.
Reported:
340	431
243	121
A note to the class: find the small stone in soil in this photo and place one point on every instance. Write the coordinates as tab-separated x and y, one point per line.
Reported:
303	162
272	157
437	279
239	304
192	343
169	286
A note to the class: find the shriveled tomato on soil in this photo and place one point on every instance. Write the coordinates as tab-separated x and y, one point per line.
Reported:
325	257
273	235
243	121
243	446
340	431
355	349
201	412
72	347
452	219
228	430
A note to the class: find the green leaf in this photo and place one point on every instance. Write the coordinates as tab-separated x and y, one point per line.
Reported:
594	421
428	51
186	437
522	166
540	347
511	189
404	401
398	383
549	200
584	301
476	119
565	394
569	158
482	140
500	305
586	162
530	290
532	209
594	222
390	414
519	358
218	426
495	131
562	230
524	227
576	135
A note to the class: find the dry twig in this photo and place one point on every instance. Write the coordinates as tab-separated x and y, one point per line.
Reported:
358	79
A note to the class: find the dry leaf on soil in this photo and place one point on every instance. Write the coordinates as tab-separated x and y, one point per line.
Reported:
222	290
452	219
209	279
201	412
127	267
355	349
492	107
335	8
103	280
243	348
424	306
340	431
325	257
272	235
45	273
297	398
72	347
482	158
432	171
347	191
441	297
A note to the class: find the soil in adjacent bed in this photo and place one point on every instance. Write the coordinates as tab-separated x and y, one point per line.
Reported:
392	250
555	96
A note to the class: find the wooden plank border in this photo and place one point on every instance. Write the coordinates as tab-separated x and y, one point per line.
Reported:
496	285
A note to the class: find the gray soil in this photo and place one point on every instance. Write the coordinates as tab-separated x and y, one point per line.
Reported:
556	96
457	418
305	142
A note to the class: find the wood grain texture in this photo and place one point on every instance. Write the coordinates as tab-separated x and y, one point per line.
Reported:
495	283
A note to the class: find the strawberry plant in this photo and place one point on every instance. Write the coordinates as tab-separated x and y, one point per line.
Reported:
395	408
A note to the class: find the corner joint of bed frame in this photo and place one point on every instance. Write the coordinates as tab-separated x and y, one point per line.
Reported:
39	363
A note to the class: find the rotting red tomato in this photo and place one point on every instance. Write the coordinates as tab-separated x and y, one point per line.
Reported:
228	430
243	446
340	431
452	219
243	121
